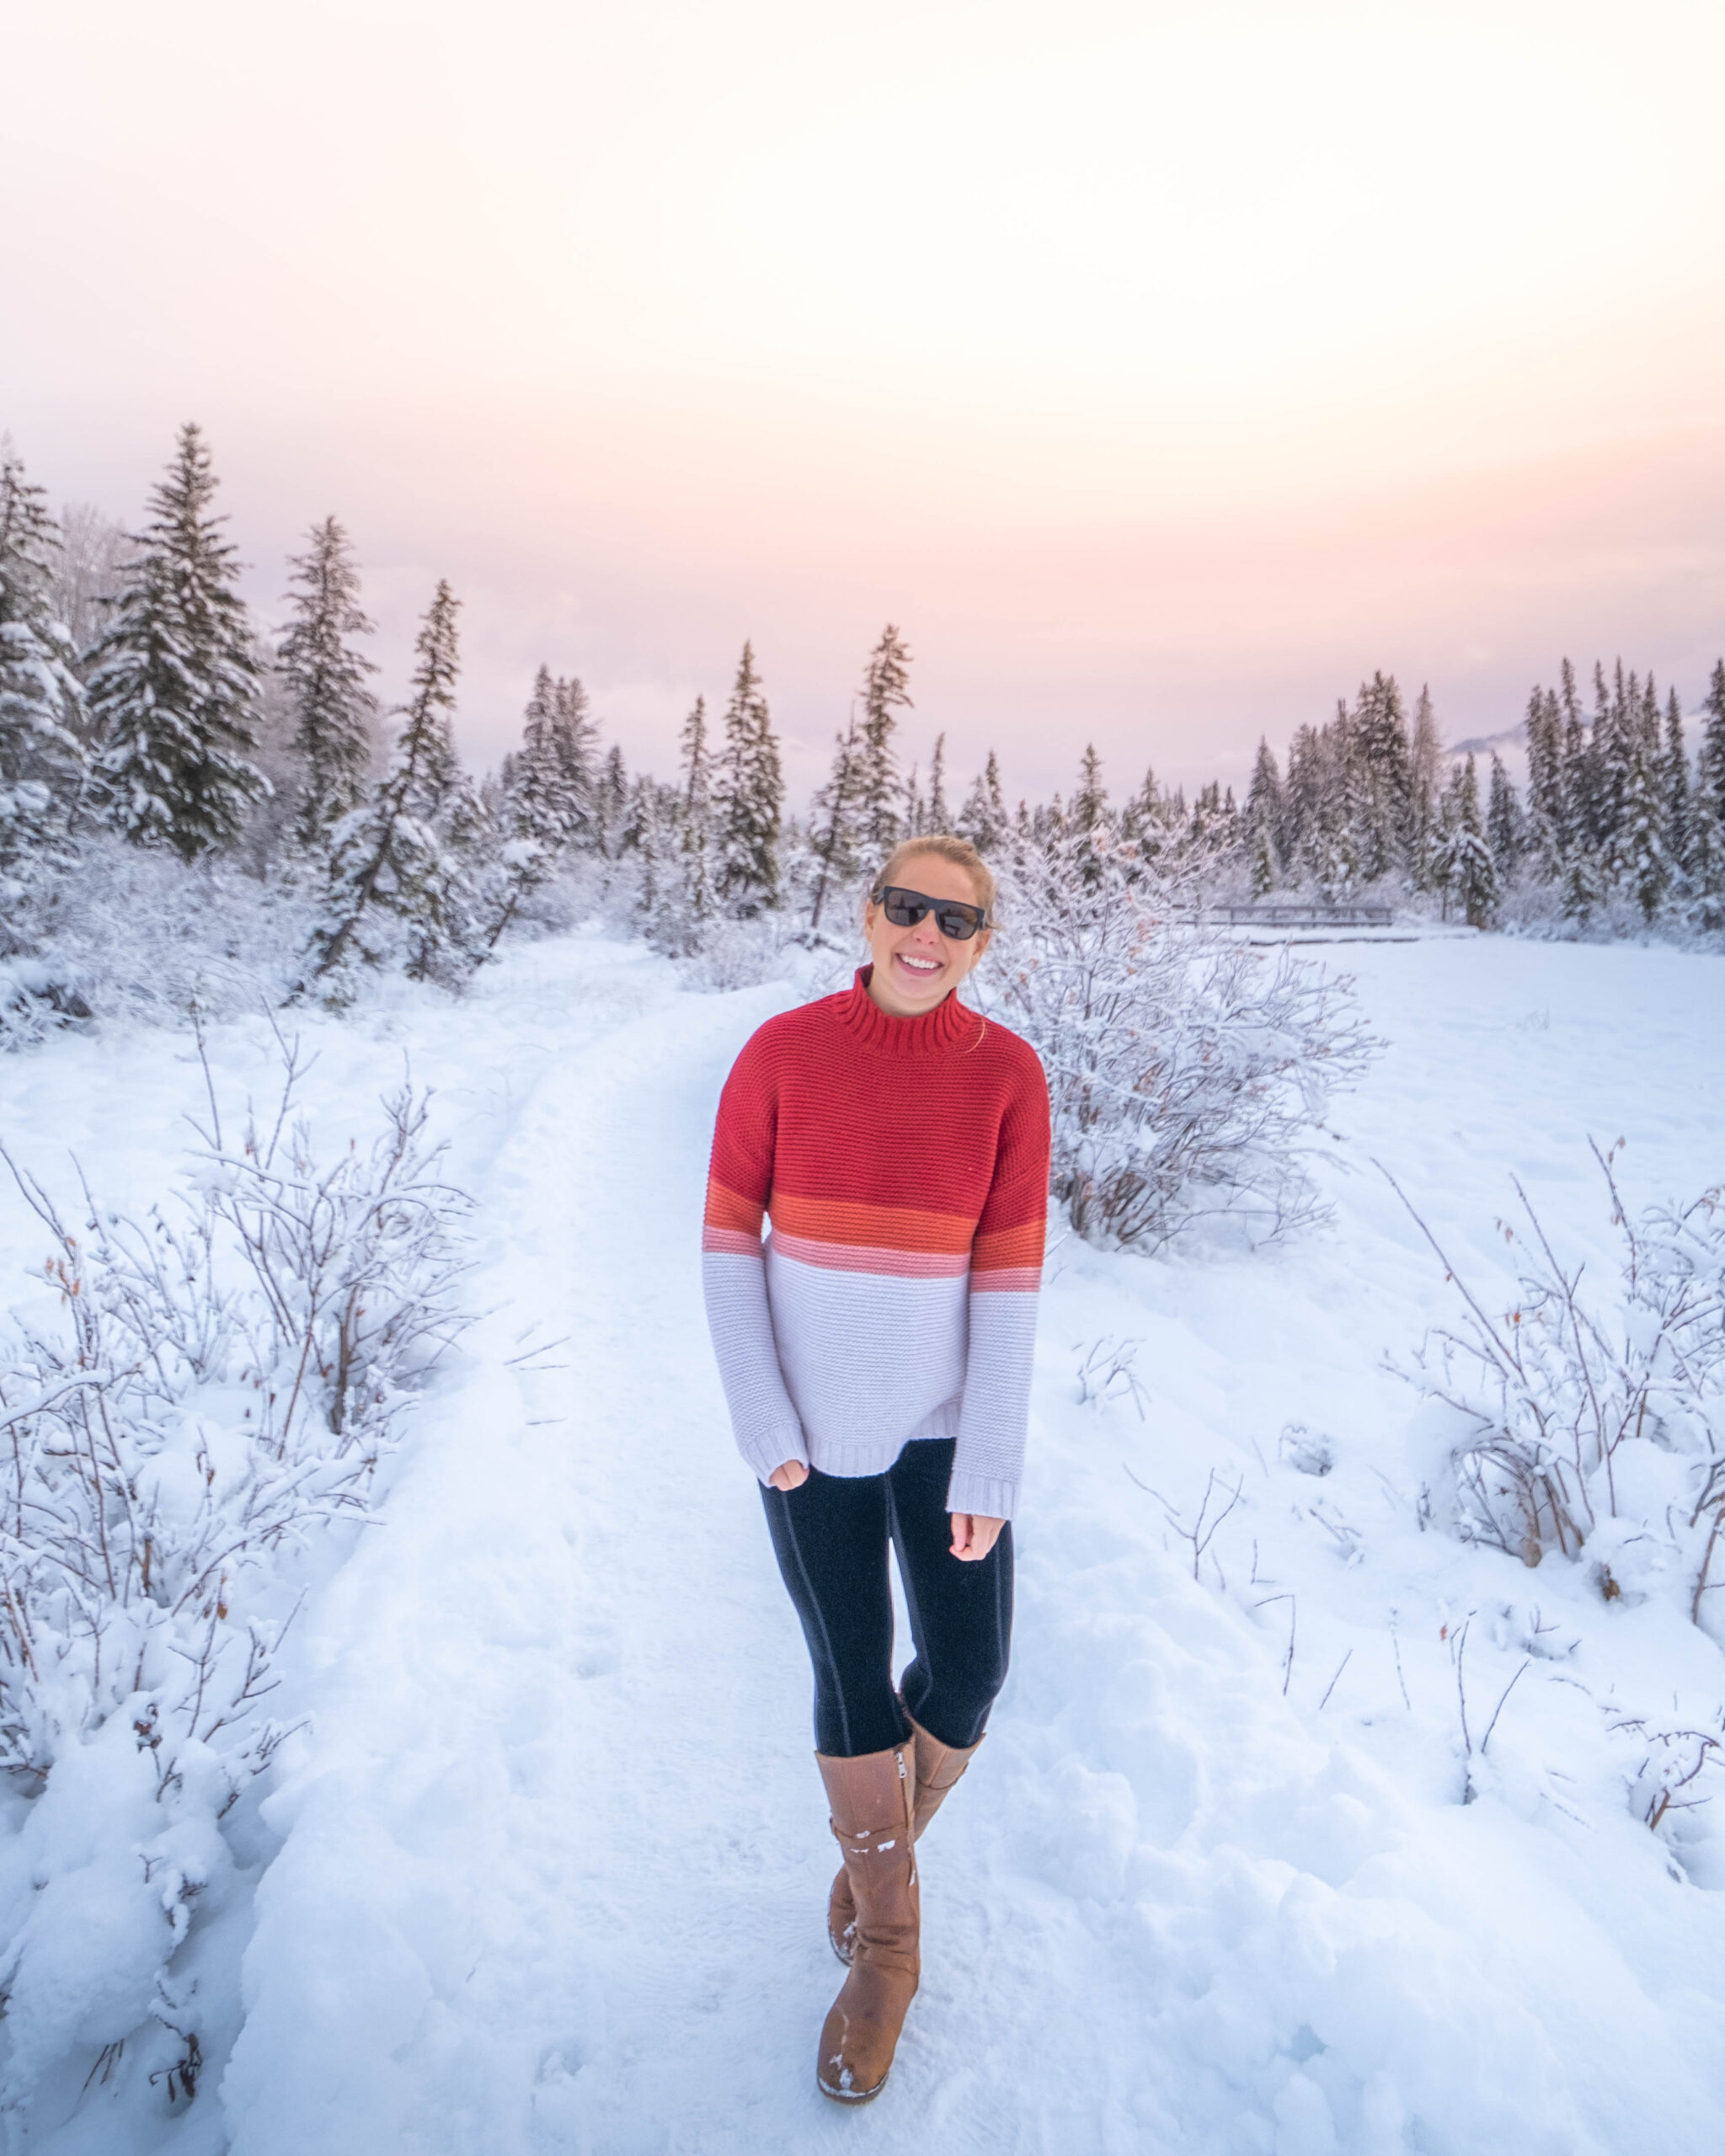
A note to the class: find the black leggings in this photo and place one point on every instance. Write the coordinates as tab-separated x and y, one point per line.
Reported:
831	1538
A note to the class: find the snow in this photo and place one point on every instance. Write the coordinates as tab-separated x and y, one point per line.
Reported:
547	1870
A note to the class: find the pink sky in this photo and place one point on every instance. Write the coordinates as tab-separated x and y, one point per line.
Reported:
1160	369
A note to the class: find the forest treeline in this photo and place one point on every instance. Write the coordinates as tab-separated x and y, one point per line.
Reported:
142	711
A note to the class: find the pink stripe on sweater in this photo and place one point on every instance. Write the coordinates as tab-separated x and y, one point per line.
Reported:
856	1257
732	1241
1008	1279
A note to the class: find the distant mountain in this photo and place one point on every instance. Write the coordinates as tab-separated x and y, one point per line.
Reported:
1482	744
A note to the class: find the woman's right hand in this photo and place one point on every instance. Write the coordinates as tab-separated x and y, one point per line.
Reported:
789	1475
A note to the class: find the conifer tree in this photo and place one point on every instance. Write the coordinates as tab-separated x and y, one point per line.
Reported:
613	802
1382	757
983	817
42	715
398	884
1264	818
1704	865
174	691
1544	790
1087	820
885	692
1638	859
577	739
1710	763
836	838
1673	787
334	712
748	799
696	896
1463	864
940	815
1504	823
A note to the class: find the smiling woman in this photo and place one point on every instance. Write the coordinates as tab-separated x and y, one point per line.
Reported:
876	1356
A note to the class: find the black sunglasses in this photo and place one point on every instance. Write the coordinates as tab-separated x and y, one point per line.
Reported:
951	916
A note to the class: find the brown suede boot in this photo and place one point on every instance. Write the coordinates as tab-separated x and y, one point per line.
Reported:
938	1766
872	1802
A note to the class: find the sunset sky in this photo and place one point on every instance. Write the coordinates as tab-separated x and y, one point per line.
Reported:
1160	369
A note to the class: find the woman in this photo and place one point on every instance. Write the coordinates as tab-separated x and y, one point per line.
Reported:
876	1357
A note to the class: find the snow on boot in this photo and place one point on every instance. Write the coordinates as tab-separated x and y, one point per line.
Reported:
872	1802
938	1766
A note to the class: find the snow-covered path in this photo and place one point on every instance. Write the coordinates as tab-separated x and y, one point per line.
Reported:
554	1856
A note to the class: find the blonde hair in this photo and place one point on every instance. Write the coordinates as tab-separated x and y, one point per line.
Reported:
944	847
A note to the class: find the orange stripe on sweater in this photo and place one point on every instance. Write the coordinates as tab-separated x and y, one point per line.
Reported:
874	1227
1010	1248
730	1209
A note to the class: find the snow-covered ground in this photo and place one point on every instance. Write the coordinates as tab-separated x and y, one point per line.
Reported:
547	1869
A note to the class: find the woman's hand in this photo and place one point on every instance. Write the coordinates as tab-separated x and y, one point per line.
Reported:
973	1535
788	1475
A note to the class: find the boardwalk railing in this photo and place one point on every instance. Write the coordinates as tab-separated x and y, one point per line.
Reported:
1265	914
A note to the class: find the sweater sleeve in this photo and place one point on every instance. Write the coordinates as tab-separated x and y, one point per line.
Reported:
1005	1280
734	1270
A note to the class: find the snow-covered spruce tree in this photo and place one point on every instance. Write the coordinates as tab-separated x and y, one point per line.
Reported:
1264	817
400	890
885	690
983	817
748	800
939	811
1547	824
1704	857
1674	789
1425	760
1641	867
837	843
43	721
1505	831
1463	867
335	713
693	896
1382	763
173	692
611	797
542	812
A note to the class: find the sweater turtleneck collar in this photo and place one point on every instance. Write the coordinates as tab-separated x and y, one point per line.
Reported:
950	1025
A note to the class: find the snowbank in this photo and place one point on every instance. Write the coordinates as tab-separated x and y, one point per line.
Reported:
548	1870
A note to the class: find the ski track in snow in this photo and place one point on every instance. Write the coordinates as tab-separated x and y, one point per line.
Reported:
554	1859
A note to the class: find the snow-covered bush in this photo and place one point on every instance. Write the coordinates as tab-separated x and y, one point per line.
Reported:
1187	1073
1595	1421
198	1394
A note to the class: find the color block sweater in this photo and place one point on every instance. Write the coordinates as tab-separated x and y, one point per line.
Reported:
903	1163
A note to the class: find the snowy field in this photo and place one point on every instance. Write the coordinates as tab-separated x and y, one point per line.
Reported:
547	1869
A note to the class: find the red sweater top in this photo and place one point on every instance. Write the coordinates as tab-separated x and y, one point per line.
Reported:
903	1163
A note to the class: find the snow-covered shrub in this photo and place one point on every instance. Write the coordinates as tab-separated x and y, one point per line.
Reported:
737	955
1579	1412
136	934
1187	1073
198	1394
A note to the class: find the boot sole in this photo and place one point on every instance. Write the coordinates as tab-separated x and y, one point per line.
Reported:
853	2096
838	1948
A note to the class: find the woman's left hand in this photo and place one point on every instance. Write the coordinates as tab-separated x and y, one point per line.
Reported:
973	1535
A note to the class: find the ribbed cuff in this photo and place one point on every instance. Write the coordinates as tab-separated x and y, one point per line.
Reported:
987	1494
763	1455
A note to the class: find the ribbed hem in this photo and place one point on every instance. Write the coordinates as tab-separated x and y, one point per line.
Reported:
763	1461
950	1026
986	1494
861	1456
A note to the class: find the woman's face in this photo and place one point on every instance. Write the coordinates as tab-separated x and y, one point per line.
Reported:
915	967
